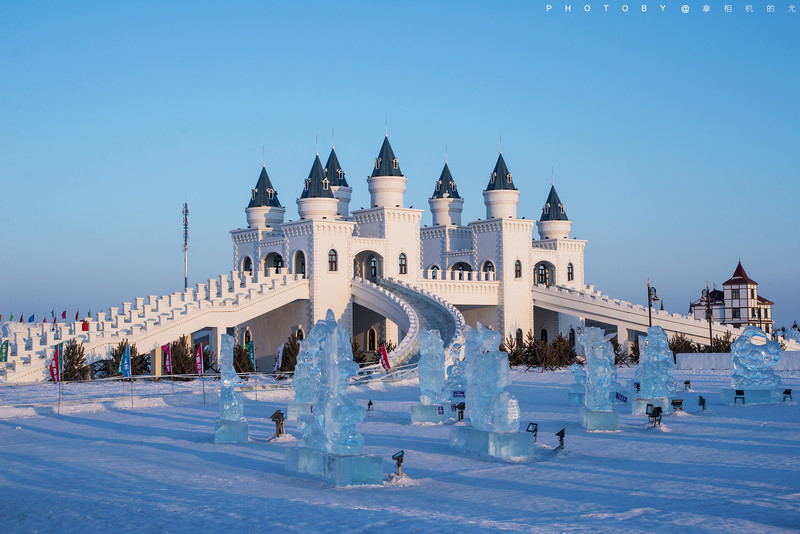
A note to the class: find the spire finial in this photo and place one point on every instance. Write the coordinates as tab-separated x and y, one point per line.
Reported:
386	123
445	154
316	143
263	157
501	143
332	138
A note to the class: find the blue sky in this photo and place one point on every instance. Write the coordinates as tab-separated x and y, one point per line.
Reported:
672	138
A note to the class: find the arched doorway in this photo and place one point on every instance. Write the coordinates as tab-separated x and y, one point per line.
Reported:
461	270
247	265
273	263
544	273
300	263
368	264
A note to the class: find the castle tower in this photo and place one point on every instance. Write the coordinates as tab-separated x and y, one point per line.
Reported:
554	223
501	195
341	191
317	200
446	204
387	183
264	210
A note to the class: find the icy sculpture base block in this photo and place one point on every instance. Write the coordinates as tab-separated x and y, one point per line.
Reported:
598	420
341	470
751	396
640	405
503	445
575	399
297	408
231	431
422	413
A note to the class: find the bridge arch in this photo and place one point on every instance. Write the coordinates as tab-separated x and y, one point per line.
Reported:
460	270
368	264
273	263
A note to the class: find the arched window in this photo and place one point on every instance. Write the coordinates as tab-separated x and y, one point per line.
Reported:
277	263
373	267
333	260
461	272
547	208
434	272
519	338
377	163
247	337
570	273
299	334
300	264
488	267
247	265
543	335
395	163
572	336
517	269
402	263
542	275
371	339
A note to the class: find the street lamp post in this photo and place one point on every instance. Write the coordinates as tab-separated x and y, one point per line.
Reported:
651	297
705	296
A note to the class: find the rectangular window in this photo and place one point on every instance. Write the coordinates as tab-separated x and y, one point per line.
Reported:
752	293
736	313
734	293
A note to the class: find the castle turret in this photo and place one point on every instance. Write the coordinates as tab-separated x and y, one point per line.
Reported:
264	210
446	204
554	223
341	191
501	195
387	183
317	200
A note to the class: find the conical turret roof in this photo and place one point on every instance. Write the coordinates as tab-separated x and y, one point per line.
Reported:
334	172
500	177
553	209
264	194
739	277
445	186
386	163
317	184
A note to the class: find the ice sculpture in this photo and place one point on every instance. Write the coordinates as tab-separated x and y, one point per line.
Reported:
457	372
601	378
578	389
488	374
754	358
231	427
656	363
330	445
431	369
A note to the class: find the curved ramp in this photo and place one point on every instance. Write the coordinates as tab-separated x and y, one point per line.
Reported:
433	313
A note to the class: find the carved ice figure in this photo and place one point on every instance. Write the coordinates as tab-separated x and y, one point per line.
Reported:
580	378
230	405
324	367
601	376
490	407
656	363
457	372
754	359
431	368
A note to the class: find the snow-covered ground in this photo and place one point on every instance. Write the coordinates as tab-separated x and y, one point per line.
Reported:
102	466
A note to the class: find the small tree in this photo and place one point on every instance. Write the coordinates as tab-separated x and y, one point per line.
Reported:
140	363
290	351
74	359
182	358
620	353
680	344
516	351
634	355
241	360
208	363
722	343
562	352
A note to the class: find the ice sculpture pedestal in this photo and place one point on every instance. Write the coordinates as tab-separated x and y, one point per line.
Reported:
576	398
338	469
434	413
231	431
640	405
503	445
296	409
751	396
598	419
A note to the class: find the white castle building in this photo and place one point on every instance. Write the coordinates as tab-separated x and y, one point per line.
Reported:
383	273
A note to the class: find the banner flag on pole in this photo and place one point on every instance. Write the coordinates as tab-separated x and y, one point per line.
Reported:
384	357
55	364
76	313
4	352
12	317
251	353
30	319
61	359
125	363
198	359
279	359
20	317
167	350
64	314
45	318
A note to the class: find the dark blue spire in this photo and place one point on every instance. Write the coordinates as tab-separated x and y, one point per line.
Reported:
445	186
500	177
553	209
317	185
264	194
334	171
386	163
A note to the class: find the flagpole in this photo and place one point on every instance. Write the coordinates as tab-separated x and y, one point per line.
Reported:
255	373
131	388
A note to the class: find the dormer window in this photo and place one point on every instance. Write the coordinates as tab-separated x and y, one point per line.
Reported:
340	173
547	208
395	163
270	193
377	163
508	177
325	183
453	186
494	175
561	207
307	183
254	192
438	185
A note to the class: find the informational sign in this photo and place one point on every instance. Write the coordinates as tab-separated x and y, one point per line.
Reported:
440	410
459	395
621	397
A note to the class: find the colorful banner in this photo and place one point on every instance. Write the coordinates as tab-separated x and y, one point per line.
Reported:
198	359
251	352
55	364
279	359
125	363
30	319
4	352
384	357
167	350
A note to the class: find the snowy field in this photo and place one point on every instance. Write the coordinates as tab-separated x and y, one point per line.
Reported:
102	466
